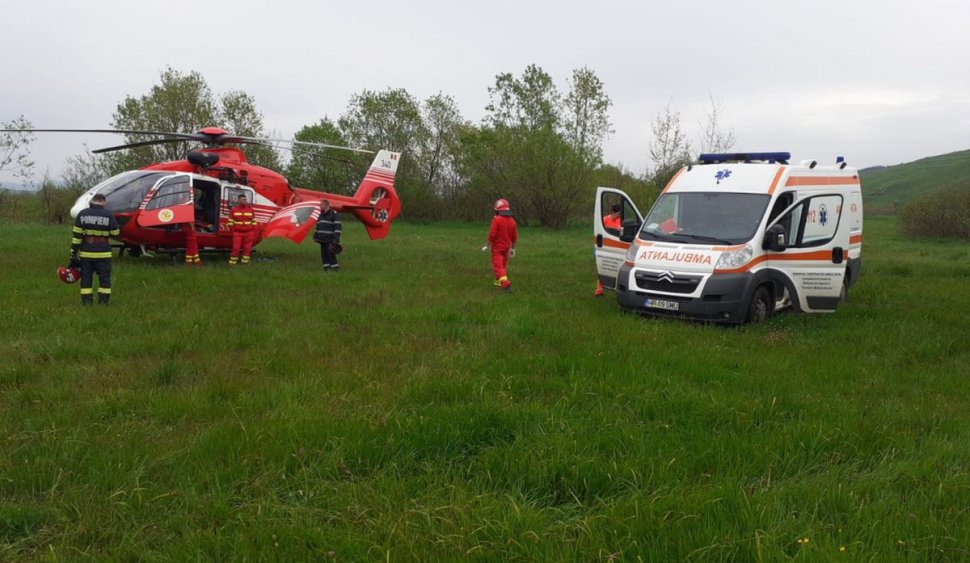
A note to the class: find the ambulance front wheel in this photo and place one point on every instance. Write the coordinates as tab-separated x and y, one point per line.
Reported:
760	306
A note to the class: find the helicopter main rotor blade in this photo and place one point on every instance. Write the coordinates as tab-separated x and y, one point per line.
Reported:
210	139
326	146
294	142
186	136
141	144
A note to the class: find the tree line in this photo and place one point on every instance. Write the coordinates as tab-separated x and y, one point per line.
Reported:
538	146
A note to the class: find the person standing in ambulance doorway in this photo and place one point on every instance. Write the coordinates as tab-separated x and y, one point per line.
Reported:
242	224
327	235
91	249
612	221
502	236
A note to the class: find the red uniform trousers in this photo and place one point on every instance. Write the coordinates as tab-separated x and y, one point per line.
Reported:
500	261
242	240
191	244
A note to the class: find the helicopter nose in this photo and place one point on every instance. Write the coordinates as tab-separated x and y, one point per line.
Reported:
82	203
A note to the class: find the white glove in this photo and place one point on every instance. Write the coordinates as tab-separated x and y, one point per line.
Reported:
512	253
485	248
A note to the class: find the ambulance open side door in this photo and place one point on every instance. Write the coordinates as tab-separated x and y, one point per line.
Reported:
809	243
609	250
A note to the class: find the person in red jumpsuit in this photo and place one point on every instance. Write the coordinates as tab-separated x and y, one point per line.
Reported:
242	224
502	237
191	245
612	221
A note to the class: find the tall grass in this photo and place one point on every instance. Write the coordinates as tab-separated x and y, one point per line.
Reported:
405	410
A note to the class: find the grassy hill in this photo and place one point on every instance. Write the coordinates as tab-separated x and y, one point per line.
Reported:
404	410
887	188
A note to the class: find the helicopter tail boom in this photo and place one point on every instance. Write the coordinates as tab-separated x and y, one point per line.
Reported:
375	203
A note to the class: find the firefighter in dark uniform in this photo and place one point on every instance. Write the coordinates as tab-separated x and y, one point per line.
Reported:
327	235
91	249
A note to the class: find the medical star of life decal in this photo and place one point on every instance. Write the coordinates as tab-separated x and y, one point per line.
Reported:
823	214
722	175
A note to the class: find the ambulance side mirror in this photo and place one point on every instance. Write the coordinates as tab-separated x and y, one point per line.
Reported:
776	238
630	228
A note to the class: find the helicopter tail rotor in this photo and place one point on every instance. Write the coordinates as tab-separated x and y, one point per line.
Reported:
376	203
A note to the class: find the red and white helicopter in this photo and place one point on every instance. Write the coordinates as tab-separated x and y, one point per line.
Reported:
153	202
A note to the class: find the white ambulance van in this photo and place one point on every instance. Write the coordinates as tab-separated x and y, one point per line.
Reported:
735	238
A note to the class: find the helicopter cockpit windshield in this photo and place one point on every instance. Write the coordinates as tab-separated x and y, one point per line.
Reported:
127	190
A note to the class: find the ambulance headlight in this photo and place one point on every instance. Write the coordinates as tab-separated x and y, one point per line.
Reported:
731	259
631	253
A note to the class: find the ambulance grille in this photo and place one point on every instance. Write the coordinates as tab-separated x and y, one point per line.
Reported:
666	281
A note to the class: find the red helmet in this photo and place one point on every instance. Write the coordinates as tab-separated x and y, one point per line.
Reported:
68	274
502	205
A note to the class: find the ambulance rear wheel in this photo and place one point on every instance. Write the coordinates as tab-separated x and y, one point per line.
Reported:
760	306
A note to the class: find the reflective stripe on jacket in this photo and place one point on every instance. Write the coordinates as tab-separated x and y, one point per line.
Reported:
328	227
242	218
92	227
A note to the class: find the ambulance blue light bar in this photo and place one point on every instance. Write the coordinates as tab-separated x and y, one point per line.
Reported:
712	158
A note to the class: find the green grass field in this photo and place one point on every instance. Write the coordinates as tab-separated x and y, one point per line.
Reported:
405	410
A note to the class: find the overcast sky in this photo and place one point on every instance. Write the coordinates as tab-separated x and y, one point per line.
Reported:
878	81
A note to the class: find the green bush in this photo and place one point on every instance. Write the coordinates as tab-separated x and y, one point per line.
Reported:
21	207
57	202
943	214
51	204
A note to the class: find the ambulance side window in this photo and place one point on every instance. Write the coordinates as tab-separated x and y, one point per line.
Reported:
607	202
813	222
783	201
611	201
629	212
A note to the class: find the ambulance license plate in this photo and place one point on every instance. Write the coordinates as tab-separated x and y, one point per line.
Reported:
662	304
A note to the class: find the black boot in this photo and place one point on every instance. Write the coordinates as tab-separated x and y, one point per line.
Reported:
103	298
87	300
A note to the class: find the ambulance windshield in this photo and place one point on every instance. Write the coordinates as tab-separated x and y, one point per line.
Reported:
705	217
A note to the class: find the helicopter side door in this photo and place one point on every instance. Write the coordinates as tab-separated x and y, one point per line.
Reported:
169	202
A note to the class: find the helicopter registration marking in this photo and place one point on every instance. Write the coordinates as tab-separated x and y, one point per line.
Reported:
166	215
